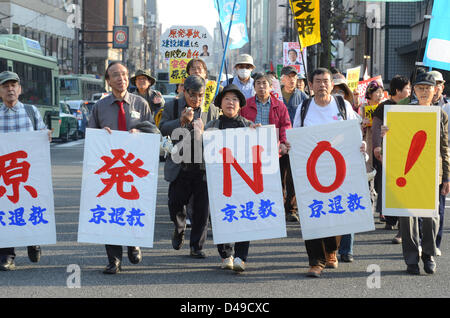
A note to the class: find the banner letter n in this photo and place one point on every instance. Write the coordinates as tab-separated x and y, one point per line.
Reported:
228	160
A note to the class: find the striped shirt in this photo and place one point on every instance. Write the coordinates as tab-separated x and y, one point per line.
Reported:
15	119
263	110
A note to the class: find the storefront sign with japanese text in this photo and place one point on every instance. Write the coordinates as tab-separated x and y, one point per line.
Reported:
27	215
118	190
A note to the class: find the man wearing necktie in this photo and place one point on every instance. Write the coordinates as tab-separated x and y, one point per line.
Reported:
120	111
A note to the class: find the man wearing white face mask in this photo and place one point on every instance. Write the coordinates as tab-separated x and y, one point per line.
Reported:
243	69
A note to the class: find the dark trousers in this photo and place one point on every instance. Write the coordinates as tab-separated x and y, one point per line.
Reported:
317	248
441	217
189	183
391	220
7	253
287	183
240	250
115	252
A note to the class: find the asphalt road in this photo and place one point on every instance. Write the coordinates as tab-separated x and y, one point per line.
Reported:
275	269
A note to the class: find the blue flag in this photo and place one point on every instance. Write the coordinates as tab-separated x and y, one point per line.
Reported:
238	32
438	43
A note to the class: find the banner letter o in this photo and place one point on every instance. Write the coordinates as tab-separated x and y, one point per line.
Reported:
339	161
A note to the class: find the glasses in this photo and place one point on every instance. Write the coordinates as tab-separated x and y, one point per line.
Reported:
425	88
196	96
324	81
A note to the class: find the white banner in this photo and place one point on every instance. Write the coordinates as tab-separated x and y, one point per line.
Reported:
330	179
244	184
27	215
118	190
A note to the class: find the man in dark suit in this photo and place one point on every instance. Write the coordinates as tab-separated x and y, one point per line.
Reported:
184	170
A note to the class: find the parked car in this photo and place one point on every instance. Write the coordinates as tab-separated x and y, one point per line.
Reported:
89	105
98	96
69	123
79	109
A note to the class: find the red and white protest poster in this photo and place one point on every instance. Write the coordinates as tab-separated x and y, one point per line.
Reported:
118	190
330	179
27	215
244	184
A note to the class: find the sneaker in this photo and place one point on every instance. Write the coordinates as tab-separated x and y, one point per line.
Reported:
7	265
227	263
314	271
238	265
438	252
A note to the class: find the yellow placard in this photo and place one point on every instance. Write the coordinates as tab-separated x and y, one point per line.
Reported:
417	189
368	113
353	77
307	15
209	95
177	70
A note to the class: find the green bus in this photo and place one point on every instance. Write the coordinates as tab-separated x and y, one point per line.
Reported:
80	86
38	76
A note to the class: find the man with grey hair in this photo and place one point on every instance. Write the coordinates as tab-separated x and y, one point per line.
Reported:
17	117
183	117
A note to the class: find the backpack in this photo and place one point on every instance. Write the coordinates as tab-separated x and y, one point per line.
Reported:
305	106
30	112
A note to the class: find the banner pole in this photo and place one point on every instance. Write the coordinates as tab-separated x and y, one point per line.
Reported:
225	50
301	51
221	38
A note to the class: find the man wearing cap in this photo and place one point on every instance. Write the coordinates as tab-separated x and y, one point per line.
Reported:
182	118
425	89
292	97
243	69
143	82
440	100
17	117
301	83
125	112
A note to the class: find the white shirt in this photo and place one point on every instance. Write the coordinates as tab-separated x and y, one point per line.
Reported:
319	115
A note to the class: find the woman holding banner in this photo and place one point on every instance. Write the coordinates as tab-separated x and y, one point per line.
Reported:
230	100
374	95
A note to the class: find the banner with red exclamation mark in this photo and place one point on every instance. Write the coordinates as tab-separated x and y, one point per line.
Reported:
411	161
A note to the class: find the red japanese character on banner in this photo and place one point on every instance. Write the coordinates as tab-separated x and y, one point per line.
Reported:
15	173
173	33
174	63
188	33
181	33
196	34
119	174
